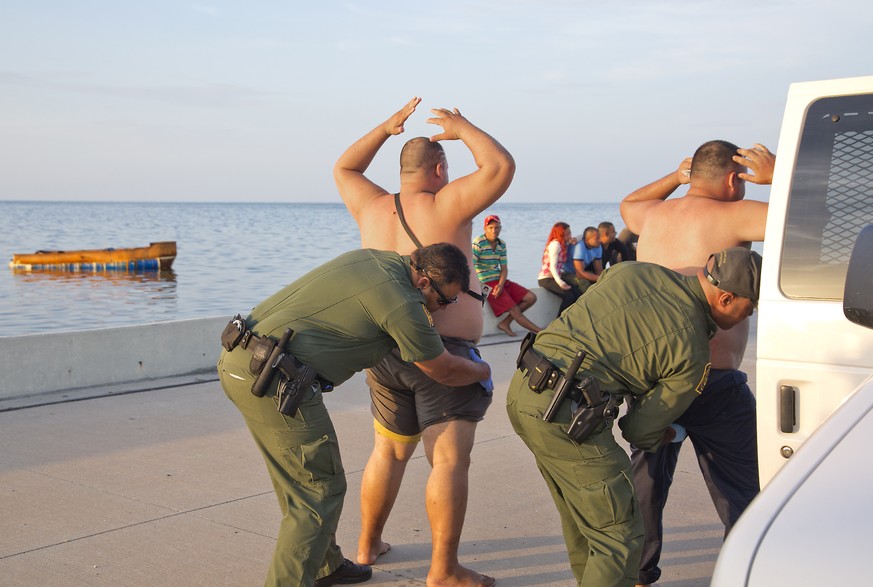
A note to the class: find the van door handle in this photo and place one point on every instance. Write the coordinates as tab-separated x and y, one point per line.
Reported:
787	408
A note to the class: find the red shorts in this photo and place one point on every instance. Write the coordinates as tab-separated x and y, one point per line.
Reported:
510	295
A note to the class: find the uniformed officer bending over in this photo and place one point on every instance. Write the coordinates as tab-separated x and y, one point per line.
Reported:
645	330
345	315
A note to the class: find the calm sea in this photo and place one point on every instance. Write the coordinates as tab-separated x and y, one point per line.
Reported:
230	256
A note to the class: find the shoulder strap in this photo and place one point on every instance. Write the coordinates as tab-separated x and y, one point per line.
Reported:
403	221
399	208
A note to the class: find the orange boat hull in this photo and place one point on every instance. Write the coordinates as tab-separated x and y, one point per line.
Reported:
154	257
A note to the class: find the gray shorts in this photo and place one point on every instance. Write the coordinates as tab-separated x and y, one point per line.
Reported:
405	401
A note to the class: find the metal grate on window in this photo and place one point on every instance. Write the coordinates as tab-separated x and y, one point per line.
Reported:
849	194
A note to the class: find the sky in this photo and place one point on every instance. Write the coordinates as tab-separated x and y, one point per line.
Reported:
221	101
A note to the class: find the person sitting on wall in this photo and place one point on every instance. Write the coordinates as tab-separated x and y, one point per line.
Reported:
629	240
506	297
585	260
614	250
553	276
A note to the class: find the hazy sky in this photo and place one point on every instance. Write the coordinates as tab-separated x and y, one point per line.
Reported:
238	101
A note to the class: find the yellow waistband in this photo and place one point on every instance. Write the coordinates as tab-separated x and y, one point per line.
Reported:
382	431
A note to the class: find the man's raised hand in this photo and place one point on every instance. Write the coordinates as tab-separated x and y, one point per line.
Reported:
760	162
394	125
450	120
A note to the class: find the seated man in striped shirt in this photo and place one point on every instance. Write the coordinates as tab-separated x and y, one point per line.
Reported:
506	297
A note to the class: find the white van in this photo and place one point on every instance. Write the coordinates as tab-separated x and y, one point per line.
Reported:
810	524
810	357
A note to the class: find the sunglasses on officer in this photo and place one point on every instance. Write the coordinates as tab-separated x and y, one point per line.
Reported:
442	300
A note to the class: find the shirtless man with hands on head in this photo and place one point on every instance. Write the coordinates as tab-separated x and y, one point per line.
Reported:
406	406
712	215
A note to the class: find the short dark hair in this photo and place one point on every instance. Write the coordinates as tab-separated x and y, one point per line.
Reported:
444	263
419	153
714	159
605	226
590	230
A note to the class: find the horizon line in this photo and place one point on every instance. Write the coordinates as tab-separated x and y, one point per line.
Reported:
340	203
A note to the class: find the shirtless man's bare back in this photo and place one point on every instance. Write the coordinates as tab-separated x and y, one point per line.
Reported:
437	210
681	234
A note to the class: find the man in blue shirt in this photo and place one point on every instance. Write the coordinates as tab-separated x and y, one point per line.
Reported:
585	259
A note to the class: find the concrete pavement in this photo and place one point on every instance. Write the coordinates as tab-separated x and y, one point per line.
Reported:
159	483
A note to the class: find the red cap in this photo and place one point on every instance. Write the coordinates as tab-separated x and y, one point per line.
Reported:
492	218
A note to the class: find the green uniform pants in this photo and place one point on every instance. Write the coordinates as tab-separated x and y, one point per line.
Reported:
303	460
591	486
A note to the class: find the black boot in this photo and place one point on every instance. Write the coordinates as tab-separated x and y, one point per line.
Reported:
347	573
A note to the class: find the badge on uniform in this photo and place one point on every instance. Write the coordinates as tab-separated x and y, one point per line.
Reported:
702	384
427	313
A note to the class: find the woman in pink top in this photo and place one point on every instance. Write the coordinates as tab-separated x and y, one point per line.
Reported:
554	257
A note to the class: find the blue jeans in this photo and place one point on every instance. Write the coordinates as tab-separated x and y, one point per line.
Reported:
721	426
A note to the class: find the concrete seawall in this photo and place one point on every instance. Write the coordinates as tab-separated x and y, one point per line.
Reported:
44	363
41	363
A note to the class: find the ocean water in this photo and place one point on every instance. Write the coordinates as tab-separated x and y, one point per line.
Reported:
230	255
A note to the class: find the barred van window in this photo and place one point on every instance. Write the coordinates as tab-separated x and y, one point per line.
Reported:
830	198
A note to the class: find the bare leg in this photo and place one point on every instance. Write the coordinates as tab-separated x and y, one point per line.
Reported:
447	446
504	324
379	487
529	299
515	312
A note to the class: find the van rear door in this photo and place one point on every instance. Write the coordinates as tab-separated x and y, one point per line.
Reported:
810	357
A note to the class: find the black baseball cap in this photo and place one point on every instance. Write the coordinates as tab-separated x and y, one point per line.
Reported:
736	270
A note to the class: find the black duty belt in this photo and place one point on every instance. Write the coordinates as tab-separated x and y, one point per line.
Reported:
267	355
592	407
542	374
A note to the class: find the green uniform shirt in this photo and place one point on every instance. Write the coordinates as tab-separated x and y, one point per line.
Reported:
488	262
349	313
646	330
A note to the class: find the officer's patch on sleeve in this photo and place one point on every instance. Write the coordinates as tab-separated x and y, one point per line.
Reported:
430	321
702	384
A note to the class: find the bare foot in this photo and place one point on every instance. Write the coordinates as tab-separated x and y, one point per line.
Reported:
505	328
368	556
462	577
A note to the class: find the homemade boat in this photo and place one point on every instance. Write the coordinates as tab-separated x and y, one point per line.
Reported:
154	257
